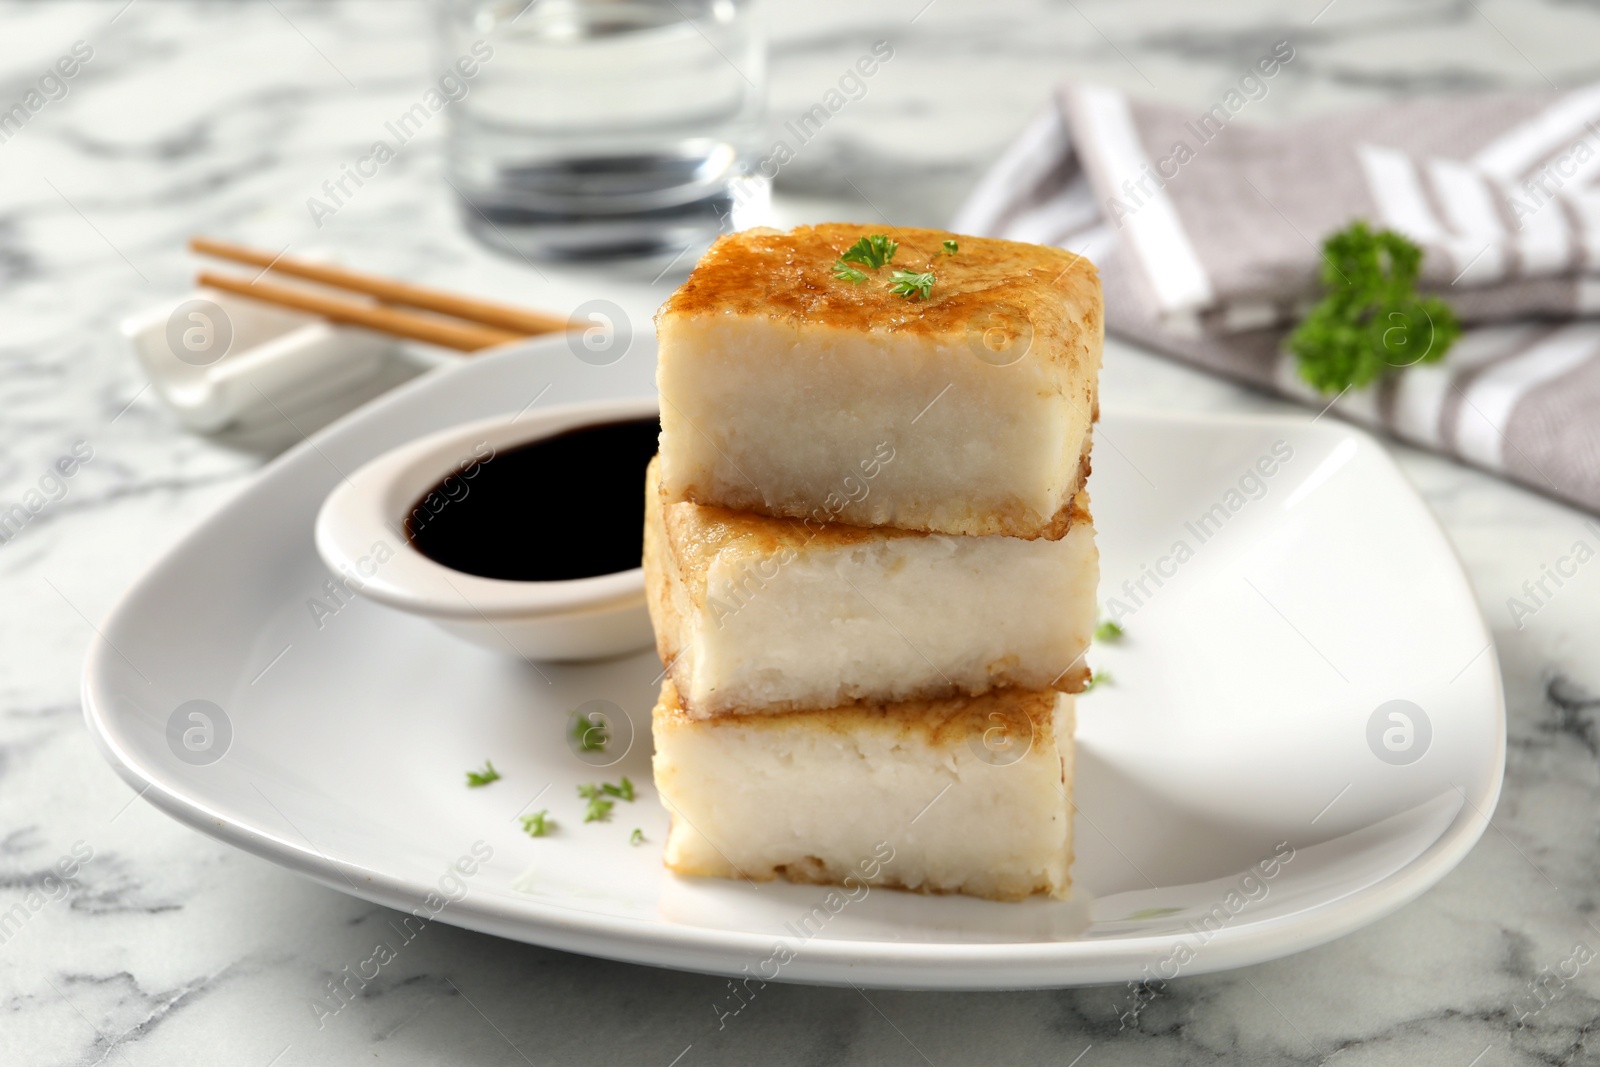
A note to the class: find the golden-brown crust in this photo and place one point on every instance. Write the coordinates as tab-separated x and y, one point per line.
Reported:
1074	679
939	723
809	870
1071	513
806	874
695	535
698	534
789	276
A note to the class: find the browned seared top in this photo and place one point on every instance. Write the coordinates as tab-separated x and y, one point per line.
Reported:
790	276
1023	714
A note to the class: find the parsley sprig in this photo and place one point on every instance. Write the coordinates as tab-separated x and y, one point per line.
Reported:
1372	320
874	251
599	809
589	735
1109	632
909	283
539	824
476	779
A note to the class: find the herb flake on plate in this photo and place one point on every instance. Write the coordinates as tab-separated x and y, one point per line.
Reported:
476	779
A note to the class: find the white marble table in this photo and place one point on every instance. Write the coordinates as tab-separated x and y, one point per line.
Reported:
224	118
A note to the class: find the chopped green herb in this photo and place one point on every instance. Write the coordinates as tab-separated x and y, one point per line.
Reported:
538	824
1108	631
846	272
625	790
483	777
1371	320
591	733
949	248
872	251
636	838
1097	679
599	809
909	283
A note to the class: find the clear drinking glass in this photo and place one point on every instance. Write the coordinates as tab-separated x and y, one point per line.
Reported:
605	129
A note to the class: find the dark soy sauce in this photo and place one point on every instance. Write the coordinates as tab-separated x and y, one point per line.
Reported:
569	506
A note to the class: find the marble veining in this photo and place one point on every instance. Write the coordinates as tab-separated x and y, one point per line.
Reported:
165	947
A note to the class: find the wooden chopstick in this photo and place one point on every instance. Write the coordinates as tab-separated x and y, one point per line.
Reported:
516	320
466	336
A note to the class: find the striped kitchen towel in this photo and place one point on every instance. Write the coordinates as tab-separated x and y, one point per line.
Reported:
1208	236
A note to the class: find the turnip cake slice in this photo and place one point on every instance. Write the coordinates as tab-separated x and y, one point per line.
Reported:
971	795
755	614
799	378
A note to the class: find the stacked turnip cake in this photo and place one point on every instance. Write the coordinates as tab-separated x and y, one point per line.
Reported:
870	560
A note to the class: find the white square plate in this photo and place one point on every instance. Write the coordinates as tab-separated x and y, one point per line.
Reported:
1246	786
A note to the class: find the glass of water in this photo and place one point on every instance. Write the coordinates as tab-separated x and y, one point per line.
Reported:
605	129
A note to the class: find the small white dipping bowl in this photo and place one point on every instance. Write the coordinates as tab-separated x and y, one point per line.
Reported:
583	618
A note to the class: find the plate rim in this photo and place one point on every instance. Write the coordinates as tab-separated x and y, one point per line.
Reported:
878	963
